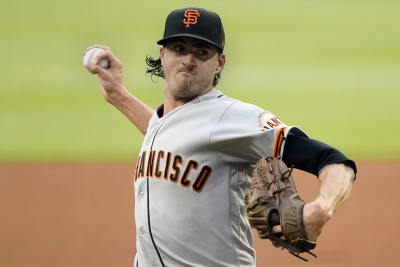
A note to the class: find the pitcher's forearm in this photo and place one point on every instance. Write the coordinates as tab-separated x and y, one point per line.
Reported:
135	110
335	186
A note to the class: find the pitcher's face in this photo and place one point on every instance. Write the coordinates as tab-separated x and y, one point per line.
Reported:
189	67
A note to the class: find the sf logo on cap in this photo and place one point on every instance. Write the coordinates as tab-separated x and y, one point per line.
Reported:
191	16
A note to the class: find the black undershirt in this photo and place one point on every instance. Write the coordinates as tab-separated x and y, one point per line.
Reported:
311	155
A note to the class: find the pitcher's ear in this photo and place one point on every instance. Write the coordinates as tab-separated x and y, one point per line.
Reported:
161	54
221	63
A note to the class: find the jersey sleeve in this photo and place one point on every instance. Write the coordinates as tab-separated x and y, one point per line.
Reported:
246	133
312	155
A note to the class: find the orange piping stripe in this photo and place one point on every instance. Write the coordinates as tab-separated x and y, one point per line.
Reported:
278	142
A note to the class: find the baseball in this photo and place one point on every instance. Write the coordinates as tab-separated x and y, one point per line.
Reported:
91	57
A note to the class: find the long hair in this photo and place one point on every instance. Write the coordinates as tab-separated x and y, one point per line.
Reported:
155	68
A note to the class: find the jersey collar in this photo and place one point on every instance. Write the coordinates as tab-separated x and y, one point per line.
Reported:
213	93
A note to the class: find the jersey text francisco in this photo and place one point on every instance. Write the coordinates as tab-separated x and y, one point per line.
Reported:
167	166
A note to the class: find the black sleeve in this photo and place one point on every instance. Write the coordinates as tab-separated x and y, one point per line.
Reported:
311	155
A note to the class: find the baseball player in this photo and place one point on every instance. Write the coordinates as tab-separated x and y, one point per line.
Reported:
199	149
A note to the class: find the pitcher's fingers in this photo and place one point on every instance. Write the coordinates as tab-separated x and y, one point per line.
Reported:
100	71
91	68
112	60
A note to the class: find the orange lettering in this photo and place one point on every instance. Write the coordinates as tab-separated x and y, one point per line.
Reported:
150	164
141	168
177	160
202	178
192	164
166	171
159	156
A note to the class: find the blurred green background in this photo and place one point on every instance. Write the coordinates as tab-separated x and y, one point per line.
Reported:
330	67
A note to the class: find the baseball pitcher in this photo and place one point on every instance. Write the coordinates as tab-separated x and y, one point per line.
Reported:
212	167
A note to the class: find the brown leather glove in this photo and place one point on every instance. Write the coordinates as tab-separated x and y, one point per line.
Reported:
273	200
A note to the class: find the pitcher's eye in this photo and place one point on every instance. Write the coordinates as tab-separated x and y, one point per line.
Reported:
178	48
202	52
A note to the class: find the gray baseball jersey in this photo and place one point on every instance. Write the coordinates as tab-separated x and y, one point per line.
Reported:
191	179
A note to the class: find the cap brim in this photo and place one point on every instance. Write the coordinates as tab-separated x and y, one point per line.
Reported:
165	40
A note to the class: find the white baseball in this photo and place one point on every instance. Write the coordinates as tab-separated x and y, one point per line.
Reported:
91	57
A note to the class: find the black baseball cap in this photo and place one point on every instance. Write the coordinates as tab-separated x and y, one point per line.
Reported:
197	23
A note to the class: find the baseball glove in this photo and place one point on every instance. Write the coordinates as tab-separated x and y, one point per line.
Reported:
273	200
